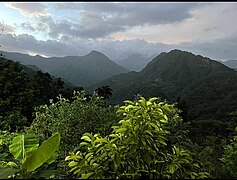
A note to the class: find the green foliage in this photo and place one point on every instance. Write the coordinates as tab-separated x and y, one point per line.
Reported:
105	92
28	157
23	145
207	88
44	153
72	119
229	159
208	139
22	89
139	146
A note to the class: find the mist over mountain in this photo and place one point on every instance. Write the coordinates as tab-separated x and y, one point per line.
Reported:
231	64
135	62
178	75
79	70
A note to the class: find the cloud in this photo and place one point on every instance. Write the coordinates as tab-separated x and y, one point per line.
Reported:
30	9
113	49
75	29
99	20
219	49
206	22
27	26
132	14
40	27
6	29
121	29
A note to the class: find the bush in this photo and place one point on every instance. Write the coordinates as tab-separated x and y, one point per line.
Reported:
72	119
140	146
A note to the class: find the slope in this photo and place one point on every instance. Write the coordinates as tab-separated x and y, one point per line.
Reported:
181	75
79	70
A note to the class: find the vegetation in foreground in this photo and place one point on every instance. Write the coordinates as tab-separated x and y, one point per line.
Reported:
147	139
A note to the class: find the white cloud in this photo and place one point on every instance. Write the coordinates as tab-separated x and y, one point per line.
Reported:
30	9
209	22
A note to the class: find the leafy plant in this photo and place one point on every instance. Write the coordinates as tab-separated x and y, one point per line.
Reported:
72	119
29	156
138	147
229	159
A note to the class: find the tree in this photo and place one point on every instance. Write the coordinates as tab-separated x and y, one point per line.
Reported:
105	92
73	118
138	147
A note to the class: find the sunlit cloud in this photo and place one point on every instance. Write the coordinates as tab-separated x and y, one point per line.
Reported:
30	9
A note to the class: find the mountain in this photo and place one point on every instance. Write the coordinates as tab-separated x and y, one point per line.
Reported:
135	62
202	84
79	70
22	89
231	64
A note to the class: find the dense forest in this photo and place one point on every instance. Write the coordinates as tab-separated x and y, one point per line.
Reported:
175	119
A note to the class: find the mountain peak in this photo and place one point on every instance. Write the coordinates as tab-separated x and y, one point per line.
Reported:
94	52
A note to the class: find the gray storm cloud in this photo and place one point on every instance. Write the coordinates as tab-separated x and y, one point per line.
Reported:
98	20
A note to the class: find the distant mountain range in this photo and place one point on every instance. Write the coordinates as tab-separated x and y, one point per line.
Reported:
206	87
135	62
231	64
79	70
203	88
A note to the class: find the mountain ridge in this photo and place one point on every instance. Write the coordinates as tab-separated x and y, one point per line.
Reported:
174	75
79	70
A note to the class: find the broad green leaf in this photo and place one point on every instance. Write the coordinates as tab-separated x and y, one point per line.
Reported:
143	102
153	99
129	102
117	159
83	144
23	146
86	176
148	103
6	172
120	130
88	155
43	153
166	118
120	111
52	158
143	141
129	107
86	138
172	168
72	164
101	140
163	121
154	125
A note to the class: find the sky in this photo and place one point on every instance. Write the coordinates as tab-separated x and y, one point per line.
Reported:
119	29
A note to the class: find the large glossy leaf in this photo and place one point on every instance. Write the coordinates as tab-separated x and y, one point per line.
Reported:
23	146
43	153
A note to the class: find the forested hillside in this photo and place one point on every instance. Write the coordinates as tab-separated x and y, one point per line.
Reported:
22	89
78	70
180	123
202	84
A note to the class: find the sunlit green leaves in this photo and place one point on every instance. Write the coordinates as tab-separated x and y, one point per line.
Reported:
43	153
137	145
23	146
